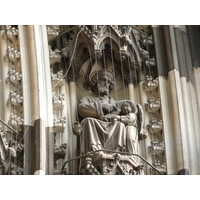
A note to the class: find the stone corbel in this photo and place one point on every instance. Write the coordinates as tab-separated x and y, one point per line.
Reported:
13	56
52	32
11	33
150	84
152	105
55	56
14	77
58	102
57	79
156	147
155	127
14	99
59	124
15	121
59	152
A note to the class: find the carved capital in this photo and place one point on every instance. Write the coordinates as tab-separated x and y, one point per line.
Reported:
58	101
12	56
150	84
14	77
59	124
154	126
54	56
152	105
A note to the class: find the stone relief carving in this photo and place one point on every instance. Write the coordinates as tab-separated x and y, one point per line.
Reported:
58	101
13	56
59	124
14	77
11	33
152	105
150	84
52	32
54	56
108	124
14	99
57	79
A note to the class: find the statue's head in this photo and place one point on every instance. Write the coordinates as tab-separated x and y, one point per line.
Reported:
103	82
128	107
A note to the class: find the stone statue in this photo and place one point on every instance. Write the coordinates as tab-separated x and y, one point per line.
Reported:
108	124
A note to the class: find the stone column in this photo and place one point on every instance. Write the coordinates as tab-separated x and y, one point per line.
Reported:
177	103
74	115
166	108
40	84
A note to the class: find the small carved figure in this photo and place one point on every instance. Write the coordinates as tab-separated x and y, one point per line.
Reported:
129	117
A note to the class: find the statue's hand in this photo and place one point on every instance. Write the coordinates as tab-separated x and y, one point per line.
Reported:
107	108
103	118
143	134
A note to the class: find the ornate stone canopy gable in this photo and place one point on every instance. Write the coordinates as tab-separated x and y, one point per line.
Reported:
123	44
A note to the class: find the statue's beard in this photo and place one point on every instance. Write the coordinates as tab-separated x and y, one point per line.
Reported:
103	90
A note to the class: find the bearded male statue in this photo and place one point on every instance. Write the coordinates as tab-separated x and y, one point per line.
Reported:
103	126
99	133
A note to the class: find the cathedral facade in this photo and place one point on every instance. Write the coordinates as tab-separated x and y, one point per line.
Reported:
99	100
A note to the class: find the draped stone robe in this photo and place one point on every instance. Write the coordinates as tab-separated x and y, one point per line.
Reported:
98	134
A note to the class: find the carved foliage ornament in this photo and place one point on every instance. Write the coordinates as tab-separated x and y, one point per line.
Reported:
12	55
11	33
13	77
